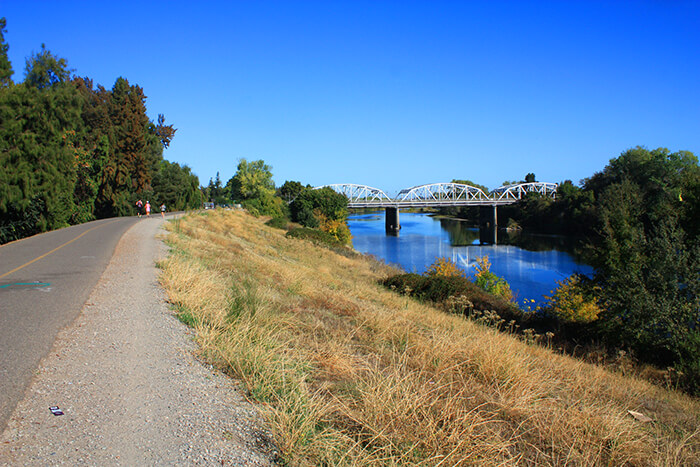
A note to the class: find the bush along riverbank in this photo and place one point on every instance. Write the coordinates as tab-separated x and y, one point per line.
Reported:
568	322
347	372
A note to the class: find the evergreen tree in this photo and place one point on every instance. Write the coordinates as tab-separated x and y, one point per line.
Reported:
216	192
45	69
165	133
135	150
177	187
5	65
38	167
70	152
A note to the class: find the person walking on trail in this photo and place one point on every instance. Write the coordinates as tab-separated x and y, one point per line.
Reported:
148	209
139	207
162	210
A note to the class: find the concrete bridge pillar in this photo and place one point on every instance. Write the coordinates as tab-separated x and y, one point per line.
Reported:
488	224
391	221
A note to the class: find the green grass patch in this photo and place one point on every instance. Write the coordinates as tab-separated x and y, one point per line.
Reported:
278	223
186	317
316	236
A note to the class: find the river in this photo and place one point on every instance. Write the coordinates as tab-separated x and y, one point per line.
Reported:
531	264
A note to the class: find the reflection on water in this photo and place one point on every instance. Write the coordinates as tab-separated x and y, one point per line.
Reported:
530	264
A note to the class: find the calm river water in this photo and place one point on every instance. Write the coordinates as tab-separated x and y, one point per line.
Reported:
531	268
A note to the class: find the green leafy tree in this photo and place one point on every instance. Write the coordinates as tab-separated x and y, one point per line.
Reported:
530	178
646	261
290	190
70	152
483	188
251	180
253	187
312	204
464	212
649	277
5	65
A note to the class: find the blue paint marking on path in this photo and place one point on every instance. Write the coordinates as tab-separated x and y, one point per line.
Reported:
34	285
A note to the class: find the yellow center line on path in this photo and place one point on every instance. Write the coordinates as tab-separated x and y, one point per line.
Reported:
55	249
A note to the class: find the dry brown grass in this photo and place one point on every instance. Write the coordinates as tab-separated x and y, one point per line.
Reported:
348	373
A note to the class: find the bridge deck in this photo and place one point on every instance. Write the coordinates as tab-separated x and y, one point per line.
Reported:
427	203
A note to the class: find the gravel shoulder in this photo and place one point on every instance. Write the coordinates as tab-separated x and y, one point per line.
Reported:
131	389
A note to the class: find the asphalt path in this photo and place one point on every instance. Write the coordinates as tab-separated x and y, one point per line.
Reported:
44	283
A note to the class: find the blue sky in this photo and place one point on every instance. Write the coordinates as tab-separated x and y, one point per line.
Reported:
390	94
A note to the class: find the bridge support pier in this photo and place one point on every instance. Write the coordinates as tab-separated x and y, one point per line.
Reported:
391	220
488	224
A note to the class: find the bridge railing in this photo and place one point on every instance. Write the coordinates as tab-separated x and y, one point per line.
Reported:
440	194
520	190
359	193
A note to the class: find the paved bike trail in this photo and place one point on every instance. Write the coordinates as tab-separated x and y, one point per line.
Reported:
44	283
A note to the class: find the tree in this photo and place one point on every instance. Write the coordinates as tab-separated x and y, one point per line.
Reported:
483	188
135	150
165	133
37	167
323	208
215	192
251	180
177	187
311	205
253	187
5	65
70	152
646	263
530	178
290	190
45	69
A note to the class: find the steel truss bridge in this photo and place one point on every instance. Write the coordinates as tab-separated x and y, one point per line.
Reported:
440	195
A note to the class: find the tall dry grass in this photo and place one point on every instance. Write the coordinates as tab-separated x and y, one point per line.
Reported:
348	373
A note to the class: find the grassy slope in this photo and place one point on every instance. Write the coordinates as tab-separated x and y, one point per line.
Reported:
350	373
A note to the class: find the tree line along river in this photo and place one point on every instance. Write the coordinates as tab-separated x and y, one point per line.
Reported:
532	264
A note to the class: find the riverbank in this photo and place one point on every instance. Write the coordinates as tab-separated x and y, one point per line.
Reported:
347	372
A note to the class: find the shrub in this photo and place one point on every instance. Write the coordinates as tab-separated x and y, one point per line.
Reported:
572	302
335	227
489	281
440	289
444	267
265	205
689	364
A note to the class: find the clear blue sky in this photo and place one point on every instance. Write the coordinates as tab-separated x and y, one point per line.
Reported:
390	94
